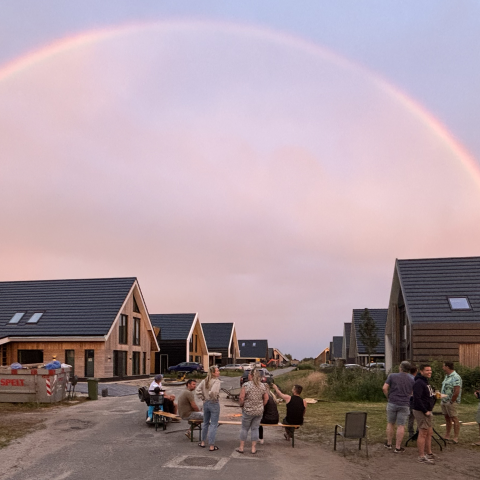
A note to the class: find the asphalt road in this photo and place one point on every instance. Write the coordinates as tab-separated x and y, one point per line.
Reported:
108	439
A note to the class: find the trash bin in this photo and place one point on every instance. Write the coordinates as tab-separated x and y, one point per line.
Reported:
92	388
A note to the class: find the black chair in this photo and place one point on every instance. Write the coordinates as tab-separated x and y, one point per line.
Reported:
355	429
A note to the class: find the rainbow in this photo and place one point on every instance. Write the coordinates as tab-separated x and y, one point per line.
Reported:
60	46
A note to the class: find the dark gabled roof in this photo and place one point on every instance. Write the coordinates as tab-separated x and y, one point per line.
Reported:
379	316
347	329
427	283
250	351
270	353
337	347
85	307
173	326
217	335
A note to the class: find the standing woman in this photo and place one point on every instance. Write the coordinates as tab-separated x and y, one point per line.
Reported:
209	391
253	398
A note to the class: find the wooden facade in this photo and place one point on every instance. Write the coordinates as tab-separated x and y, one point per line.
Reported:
103	357
469	354
322	357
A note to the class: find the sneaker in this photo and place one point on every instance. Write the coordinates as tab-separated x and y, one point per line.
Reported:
399	450
386	445
149	419
425	460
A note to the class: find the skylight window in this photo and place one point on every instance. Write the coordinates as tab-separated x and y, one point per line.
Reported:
459	303
243	344
254	344
35	317
17	317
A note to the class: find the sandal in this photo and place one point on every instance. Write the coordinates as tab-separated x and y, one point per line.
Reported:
240	451
476	444
254	453
213	449
201	446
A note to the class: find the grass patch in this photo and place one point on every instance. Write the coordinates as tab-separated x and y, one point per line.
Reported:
322	417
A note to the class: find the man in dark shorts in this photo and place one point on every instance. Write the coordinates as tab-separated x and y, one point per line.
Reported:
296	408
398	389
423	402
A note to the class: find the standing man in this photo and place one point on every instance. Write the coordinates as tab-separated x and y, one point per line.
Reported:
398	389
296	408
187	408
423	402
452	387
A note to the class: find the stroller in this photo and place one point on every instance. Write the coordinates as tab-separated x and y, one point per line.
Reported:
155	401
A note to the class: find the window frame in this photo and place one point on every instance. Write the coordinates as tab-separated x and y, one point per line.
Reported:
123	329
136	331
458	297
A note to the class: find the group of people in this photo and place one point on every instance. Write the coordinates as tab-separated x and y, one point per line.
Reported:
257	401
410	396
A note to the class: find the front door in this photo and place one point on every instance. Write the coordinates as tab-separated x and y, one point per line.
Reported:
89	363
119	363
163	363
70	360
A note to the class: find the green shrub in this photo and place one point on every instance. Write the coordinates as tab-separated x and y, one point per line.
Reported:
306	366
354	385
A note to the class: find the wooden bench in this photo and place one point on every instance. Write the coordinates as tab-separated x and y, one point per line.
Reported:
157	418
197	425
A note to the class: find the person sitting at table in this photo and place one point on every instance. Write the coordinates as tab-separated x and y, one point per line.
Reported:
270	412
155	388
296	408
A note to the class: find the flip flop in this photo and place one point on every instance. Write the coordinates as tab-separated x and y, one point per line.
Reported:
475	444
254	453
213	449
240	451
201	446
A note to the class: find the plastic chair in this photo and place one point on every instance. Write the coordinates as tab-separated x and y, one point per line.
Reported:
355	429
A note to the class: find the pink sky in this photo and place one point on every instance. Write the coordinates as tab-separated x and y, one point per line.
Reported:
243	176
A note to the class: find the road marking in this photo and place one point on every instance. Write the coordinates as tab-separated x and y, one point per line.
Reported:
176	463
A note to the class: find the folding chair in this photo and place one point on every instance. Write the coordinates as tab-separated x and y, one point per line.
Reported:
355	429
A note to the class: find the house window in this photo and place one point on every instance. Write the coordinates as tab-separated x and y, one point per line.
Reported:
136	331
135	306
144	363
3	355
459	303
191	344
17	317
136	363
197	359
196	343
191	358
35	317
30	356
122	329
70	360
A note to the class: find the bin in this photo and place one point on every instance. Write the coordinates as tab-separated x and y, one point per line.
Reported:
92	388
33	385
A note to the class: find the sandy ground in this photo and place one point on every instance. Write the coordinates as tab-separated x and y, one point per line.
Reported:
108	439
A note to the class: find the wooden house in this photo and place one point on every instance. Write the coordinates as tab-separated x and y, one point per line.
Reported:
253	351
357	349
322	357
100	327
346	343
336	351
181	339
222	342
434	311
275	356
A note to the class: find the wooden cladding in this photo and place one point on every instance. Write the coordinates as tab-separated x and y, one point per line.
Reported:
469	354
446	341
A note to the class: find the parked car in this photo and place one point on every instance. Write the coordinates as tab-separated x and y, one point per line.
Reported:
376	366
232	366
245	366
263	372
353	366
188	367
324	365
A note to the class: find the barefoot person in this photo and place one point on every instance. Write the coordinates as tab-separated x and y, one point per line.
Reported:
452	388
209	391
423	402
398	389
296	408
